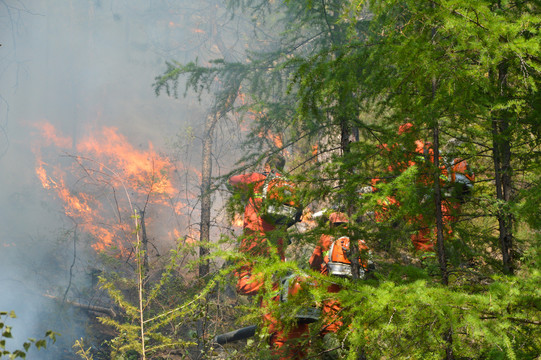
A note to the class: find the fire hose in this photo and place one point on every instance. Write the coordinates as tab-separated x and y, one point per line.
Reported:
235	335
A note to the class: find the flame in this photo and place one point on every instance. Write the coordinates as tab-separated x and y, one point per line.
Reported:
269	135
241	97
139	168
48	132
42	175
276	139
193	236
179	207
108	176
176	234
315	150
238	220
74	205
252	114
198	31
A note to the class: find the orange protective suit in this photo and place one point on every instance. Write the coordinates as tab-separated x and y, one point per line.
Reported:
288	343
423	237
461	180
459	176
255	243
254	240
321	261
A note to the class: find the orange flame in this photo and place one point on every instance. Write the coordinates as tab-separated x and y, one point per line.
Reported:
179	207
276	139
107	162
238	220
142	169
48	132
193	236
42	175
175	234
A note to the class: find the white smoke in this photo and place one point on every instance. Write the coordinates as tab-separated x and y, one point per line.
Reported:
77	64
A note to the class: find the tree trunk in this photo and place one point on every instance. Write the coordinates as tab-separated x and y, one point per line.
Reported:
206	171
144	240
345	134
140	280
501	151
448	337
219	110
501	157
206	203
440	244
354	256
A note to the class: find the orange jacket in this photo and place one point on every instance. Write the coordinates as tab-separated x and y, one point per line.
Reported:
255	228
422	155
319	259
461	172
252	220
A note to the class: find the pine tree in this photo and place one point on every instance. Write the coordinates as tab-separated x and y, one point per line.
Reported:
344	78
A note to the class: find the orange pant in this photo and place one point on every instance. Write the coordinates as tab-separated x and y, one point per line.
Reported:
284	344
423	239
254	244
287	344
331	313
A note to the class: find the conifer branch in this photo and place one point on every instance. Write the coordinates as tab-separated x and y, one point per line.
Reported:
455	12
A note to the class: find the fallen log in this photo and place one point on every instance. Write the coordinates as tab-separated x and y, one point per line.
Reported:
235	335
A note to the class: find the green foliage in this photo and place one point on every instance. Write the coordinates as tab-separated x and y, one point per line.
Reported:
389	69
344	78
6	333
152	321
80	347
478	320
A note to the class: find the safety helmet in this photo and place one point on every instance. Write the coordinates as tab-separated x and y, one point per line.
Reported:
404	128
338	218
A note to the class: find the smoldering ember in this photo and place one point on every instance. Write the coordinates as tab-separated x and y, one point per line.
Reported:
270	179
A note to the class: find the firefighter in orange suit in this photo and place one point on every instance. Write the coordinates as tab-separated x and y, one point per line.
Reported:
255	243
330	257
458	183
461	180
422	155
255	232
290	343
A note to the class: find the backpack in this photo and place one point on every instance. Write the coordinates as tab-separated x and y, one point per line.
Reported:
294	284
280	204
461	180
338	263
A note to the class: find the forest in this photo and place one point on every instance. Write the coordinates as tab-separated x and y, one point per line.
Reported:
418	122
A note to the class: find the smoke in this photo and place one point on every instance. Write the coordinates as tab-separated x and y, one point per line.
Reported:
80	66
